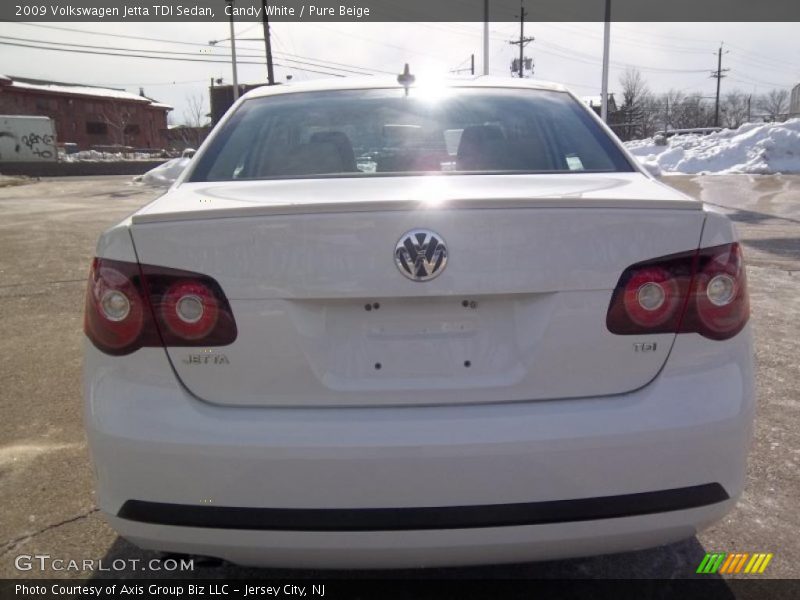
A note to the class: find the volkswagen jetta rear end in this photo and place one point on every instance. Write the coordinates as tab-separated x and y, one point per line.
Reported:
377	326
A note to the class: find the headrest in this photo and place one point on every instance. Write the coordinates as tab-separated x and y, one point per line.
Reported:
343	146
309	159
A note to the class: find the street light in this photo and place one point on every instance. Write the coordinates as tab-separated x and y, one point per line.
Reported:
485	37
233	55
606	44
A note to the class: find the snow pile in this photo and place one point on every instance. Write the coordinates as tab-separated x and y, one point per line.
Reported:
166	174
95	156
754	148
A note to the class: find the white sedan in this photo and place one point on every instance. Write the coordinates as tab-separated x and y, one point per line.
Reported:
385	325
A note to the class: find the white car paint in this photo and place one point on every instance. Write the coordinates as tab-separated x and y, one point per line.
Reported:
553	407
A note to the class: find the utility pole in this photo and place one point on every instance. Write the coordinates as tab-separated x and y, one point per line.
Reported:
485	37
267	43
523	41
470	68
718	75
233	56
606	50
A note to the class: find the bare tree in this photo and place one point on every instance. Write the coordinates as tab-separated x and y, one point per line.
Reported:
194	128
670	109
195	114
775	104
117	116
734	109
630	120
695	112
634	87
652	117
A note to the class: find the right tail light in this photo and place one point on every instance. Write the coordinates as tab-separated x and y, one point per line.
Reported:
130	306
702	291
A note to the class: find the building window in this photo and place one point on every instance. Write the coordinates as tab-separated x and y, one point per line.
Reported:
132	129
96	128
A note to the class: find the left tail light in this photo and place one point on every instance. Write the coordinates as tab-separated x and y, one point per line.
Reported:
131	306
702	291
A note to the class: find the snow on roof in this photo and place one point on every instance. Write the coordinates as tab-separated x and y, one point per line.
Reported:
82	90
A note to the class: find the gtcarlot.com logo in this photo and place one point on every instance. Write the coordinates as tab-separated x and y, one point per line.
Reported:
46	562
737	562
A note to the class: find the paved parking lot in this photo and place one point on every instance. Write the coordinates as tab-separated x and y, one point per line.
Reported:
47	235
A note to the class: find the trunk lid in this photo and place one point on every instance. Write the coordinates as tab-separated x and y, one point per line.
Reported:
326	318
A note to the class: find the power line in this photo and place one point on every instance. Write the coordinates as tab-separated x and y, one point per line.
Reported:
117	35
759	64
166	53
153	84
199	60
749	80
322	62
747	57
631	41
374	41
562	52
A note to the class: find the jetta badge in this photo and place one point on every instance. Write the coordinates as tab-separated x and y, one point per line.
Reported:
420	254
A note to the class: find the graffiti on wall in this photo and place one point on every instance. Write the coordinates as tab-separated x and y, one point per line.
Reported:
20	141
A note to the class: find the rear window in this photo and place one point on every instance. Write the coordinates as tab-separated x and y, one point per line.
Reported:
368	133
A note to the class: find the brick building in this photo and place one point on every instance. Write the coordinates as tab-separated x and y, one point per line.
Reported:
88	116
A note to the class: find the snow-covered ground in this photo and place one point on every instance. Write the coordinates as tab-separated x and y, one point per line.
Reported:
754	148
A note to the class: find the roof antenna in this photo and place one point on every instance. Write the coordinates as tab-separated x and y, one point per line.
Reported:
406	79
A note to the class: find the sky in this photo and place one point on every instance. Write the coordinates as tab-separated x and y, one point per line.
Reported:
680	56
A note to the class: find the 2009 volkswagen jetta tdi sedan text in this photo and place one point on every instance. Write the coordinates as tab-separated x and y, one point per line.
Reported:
382	325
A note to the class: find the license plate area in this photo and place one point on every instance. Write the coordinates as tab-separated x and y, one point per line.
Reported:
410	343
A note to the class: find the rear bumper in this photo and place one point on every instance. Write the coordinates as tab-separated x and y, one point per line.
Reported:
421	485
419	518
424	548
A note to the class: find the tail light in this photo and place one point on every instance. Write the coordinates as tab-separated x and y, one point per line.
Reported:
189	309
130	306
703	291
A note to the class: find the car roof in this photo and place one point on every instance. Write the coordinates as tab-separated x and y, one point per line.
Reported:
384	82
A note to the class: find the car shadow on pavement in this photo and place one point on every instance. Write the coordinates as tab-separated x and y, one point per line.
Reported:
751	217
674	561
783	247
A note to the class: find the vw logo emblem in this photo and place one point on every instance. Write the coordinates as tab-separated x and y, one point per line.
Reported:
420	254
